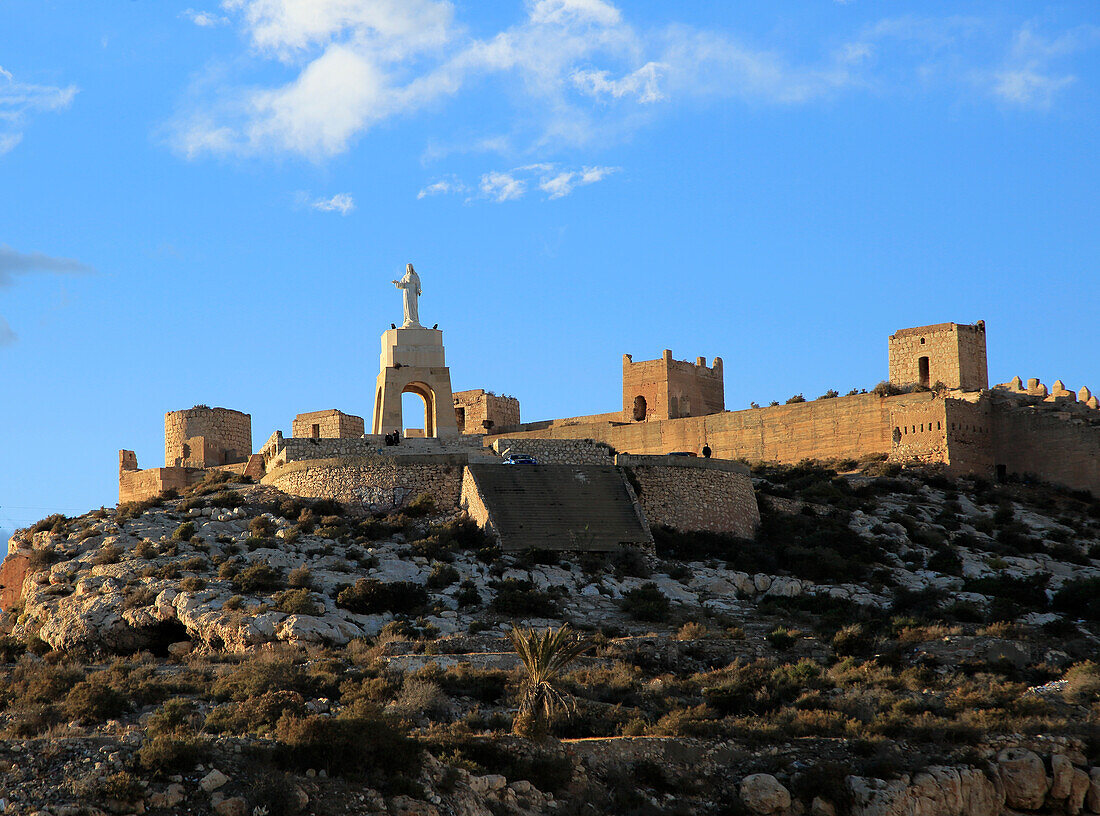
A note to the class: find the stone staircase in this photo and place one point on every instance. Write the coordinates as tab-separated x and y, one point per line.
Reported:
559	507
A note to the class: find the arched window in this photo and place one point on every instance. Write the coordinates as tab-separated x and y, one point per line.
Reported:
639	408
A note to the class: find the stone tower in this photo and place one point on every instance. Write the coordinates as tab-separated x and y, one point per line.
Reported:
948	353
670	389
412	361
203	437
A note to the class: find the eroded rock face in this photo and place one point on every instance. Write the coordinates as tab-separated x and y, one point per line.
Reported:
1024	778
936	791
764	794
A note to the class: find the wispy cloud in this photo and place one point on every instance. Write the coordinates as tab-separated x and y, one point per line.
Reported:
13	263
1031	76
562	184
580	69
20	100
510	185
342	203
204	19
579	73
442	187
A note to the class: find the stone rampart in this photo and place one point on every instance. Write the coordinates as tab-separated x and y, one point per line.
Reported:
694	494
556	451
376	483
138	485
838	428
919	432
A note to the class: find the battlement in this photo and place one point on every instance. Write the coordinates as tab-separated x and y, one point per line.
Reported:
668	389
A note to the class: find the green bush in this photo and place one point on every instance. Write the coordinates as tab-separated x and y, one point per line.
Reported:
360	743
782	637
795	399
422	505
255	715
258	577
300	578
1079	598
369	596
108	554
192	583
442	576
185	532
297	602
646	603
467	594
162	753
522	599
92	703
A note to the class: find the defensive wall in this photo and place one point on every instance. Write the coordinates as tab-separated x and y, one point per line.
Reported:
375	483
837	428
694	494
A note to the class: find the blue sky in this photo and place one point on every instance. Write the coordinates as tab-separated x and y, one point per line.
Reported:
206	203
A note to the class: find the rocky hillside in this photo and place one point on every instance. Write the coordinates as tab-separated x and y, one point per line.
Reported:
889	644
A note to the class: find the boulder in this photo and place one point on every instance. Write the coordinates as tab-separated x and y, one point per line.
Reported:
1078	790
1024	778
1061	772
236	806
764	794
1092	797
213	780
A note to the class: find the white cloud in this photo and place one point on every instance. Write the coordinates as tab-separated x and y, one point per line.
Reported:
342	203
443	187
204	19
502	186
562	184
642	83
19	100
577	71
582	71
1028	78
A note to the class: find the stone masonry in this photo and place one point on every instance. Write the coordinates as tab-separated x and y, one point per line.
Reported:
203	437
947	353
473	409
330	424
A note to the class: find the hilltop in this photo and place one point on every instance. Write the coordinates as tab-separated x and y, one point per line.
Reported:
891	642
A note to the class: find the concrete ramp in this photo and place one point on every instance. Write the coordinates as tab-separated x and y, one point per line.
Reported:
555	507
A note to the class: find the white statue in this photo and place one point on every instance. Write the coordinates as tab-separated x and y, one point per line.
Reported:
410	284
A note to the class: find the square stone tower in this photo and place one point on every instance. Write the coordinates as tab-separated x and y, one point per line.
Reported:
670	389
948	353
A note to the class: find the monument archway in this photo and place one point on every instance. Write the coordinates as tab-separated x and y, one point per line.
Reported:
412	361
428	403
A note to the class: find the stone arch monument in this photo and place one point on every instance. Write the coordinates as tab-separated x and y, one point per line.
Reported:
412	361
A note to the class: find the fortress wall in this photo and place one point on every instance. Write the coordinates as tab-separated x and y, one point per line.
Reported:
224	431
557	451
838	428
695	494
138	485
1053	445
919	432
970	433
379	484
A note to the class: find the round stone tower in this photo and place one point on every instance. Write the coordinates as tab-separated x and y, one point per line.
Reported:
203	437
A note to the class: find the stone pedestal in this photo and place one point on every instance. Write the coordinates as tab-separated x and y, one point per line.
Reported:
412	360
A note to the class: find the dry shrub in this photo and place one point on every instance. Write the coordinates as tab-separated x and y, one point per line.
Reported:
691	630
